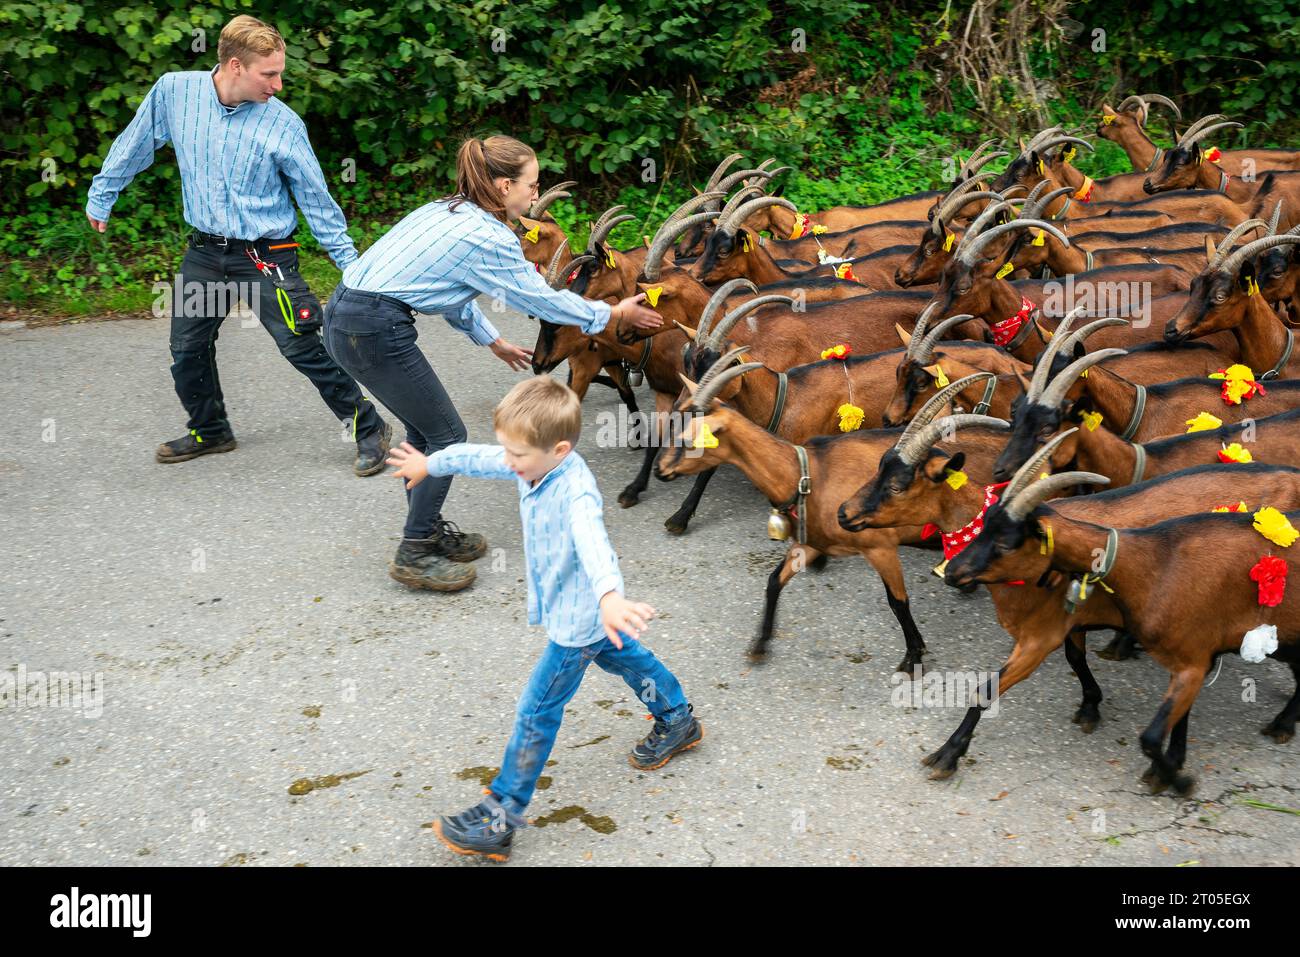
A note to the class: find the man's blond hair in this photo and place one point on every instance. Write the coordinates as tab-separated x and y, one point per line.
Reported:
246	38
540	412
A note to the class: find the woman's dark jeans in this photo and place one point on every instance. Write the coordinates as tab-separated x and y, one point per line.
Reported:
373	338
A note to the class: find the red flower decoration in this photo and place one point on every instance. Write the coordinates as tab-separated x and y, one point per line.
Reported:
1270	571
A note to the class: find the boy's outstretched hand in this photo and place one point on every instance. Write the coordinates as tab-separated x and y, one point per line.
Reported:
618	614
411	464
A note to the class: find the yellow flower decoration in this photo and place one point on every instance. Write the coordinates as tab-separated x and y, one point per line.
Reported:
1235	371
704	438
1274	526
1091	420
1204	422
1235	453
836	352
1239	507
850	417
818	230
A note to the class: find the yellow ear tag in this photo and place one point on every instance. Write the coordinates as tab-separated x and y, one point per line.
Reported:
1039	237
1252	287
947	242
533	233
609	259
1041	170
1047	547
1091	420
1069	156
940	378
1004	270
705	439
1107	119
955	479
652	295
745	245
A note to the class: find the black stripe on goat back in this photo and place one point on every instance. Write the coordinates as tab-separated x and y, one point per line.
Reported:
1174	231
1225	469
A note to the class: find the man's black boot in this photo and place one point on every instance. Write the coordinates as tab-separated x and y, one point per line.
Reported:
192	446
372	450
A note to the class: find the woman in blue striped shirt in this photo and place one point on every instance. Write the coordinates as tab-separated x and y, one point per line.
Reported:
439	259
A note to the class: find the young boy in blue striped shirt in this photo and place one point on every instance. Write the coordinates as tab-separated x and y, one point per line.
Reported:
574	588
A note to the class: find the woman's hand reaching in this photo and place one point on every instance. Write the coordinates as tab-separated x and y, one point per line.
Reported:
639	316
512	355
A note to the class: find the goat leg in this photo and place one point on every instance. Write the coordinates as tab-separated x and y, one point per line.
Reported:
618	380
632	494
678	521
1122	647
1076	654
885	562
789	567
1025	658
1165	766
1282	728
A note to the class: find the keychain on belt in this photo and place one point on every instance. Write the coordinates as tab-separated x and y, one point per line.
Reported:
273	272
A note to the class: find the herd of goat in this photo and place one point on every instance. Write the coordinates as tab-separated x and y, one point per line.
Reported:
908	374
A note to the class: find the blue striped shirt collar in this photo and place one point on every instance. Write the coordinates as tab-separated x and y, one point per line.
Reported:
212	88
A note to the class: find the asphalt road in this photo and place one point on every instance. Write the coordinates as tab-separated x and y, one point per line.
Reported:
237	612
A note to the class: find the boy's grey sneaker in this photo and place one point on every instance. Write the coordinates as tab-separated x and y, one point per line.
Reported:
485	830
372	451
665	740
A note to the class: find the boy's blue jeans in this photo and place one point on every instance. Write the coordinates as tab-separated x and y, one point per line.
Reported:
553	682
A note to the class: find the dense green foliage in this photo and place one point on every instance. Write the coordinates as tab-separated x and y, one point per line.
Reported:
868	108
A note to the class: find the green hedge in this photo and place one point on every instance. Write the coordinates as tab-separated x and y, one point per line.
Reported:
870	109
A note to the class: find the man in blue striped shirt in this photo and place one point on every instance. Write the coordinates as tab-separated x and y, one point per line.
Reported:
575	589
240	152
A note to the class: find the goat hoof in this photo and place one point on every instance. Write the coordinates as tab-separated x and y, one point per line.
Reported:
943	769
1150	776
1278	733
1184	784
757	654
913	666
675	527
628	497
1087	718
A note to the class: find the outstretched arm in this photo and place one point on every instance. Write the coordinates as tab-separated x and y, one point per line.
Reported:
131	153
463	458
313	195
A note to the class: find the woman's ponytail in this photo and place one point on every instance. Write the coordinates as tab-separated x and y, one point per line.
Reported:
479	162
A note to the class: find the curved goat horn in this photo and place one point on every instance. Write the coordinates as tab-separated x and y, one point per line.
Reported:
1025	475
1202	122
934	405
707	199
1038	381
665	237
720	171
553	267
932	432
956	199
1040	207
1077	337
738	197
1222	250
744	174
1042	490
551	195
576	263
601	233
742	213
981	221
1149	98
718	335
1275	219
1194	138
1232	265
607	214
1054	394
918	328
720	295
1046	145
969	253
925	351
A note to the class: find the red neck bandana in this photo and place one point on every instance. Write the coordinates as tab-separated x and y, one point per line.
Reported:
1005	331
954	542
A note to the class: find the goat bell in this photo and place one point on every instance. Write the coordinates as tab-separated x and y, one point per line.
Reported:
778	526
634	376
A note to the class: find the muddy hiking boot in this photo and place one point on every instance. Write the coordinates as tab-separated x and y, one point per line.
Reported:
192	446
665	740
438	562
372	450
485	830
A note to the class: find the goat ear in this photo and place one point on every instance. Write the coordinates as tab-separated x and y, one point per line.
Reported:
937	464
903	334
1209	249
778	191
1246	278
690	386
1106	108
1024	383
